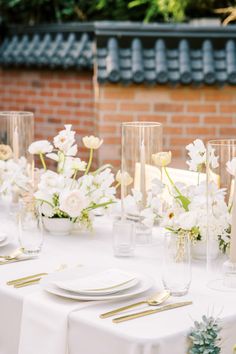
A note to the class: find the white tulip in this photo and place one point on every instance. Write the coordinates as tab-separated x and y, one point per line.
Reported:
126	179
92	142
162	159
40	147
73	202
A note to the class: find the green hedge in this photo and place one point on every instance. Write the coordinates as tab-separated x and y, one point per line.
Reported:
41	11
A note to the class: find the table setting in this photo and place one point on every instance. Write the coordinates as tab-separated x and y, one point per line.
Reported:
137	261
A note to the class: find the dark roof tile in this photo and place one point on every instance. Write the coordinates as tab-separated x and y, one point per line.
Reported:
128	52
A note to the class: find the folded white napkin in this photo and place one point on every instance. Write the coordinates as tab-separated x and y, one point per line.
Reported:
106	282
44	324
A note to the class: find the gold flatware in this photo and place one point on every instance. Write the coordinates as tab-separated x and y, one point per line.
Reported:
154	300
25	279
13	260
27	283
14	254
151	312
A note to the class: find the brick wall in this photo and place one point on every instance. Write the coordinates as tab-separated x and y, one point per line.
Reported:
56	98
186	113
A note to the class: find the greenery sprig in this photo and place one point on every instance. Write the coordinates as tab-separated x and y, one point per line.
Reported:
205	336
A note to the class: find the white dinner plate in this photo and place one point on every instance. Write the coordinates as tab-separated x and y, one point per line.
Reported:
4	239
47	283
106	282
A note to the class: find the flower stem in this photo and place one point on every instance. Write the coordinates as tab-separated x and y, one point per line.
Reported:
172	182
117	185
89	162
43	161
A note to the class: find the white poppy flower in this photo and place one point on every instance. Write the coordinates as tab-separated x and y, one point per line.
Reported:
73	202
92	142
40	147
162	158
126	178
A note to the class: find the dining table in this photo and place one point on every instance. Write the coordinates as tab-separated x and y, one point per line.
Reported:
34	321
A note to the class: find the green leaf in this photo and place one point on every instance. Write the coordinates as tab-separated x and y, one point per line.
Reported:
184	201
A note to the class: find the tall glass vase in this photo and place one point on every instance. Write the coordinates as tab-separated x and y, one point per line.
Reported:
16	164
221	214
140	140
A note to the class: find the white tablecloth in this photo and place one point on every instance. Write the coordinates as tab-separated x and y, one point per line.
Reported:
83	330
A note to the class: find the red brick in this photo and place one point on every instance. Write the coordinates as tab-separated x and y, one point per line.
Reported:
184	119
135	107
200	131
229	131
152	118
228	108
219	120
201	108
168	107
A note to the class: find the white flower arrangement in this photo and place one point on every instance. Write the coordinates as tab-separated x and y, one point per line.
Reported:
186	214
14	173
72	191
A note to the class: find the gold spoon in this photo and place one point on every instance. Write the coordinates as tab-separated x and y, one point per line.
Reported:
14	254
154	300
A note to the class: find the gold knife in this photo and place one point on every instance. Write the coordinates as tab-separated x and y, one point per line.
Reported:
24	279
27	283
150	312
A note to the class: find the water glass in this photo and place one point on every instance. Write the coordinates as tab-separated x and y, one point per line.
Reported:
30	230
176	274
123	238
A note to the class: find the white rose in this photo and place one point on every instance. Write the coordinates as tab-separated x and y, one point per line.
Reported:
92	142
5	152
162	159
40	147
126	178
73	202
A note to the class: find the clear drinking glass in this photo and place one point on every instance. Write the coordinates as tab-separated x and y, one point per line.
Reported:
30	230
221	214
140	140
17	131
176	273
123	238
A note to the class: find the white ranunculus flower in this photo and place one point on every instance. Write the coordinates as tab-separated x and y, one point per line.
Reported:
51	182
126	178
162	159
65	140
73	202
231	166
92	142
40	147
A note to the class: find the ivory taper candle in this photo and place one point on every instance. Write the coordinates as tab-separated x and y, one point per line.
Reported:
15	144
232	254
143	173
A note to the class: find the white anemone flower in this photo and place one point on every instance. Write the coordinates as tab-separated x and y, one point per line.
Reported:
40	147
92	142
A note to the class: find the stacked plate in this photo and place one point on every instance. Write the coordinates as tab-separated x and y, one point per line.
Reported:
4	239
87	283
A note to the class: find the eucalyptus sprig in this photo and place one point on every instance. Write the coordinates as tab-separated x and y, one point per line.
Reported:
205	336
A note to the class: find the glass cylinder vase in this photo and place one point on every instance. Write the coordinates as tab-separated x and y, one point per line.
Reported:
16	164
140	141
221	214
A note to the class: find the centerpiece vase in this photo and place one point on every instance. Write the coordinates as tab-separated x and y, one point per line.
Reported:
140	140
58	226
